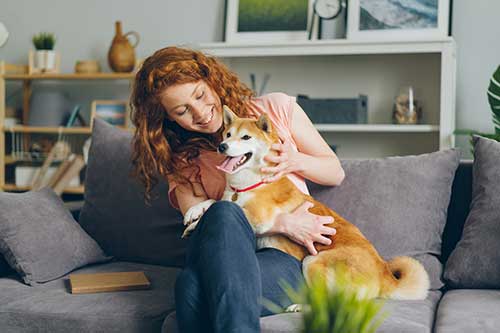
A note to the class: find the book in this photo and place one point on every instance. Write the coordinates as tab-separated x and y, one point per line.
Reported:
76	163
105	282
61	170
73	116
60	149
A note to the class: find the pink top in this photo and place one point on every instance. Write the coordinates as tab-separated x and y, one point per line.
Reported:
279	108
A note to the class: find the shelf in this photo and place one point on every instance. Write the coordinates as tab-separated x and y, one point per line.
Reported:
10	160
325	47
377	128
53	130
70	76
68	190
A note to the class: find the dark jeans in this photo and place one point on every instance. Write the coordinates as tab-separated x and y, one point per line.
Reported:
221	286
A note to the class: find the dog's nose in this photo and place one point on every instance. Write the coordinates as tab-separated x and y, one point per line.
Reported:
223	147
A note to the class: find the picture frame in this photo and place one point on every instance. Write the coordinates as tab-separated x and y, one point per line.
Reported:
114	112
411	20
253	21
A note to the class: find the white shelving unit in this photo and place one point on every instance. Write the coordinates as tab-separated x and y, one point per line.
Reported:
345	68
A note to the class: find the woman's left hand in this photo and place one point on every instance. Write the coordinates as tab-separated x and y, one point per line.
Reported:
288	160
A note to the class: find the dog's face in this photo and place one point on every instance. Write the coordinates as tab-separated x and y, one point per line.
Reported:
245	142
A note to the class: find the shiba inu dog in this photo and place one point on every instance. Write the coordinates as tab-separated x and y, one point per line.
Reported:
245	143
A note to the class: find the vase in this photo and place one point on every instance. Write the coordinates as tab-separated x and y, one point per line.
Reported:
121	54
49	107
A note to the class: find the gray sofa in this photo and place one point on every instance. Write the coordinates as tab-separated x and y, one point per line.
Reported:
50	307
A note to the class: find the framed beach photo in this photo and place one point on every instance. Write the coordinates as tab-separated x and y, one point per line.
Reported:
397	19
115	112
254	21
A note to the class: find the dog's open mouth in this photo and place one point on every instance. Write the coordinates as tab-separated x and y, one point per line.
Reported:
232	163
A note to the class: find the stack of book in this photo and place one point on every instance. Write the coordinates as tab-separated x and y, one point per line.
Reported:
64	174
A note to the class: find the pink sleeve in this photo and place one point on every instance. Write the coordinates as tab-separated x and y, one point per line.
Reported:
280	108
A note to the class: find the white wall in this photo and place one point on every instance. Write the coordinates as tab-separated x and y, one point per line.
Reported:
477	33
85	29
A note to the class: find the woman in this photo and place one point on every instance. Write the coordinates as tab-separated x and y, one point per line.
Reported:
177	110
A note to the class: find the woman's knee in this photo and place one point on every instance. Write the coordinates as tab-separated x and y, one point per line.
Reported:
223	209
225	215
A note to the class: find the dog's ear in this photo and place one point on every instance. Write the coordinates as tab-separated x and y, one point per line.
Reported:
228	115
264	123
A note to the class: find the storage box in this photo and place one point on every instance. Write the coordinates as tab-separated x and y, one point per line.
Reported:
24	175
335	110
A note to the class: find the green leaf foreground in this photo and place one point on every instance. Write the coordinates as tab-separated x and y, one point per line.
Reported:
333	309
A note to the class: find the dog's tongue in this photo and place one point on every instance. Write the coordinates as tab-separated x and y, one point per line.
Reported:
229	163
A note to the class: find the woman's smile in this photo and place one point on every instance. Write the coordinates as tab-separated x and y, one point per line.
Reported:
206	122
194	106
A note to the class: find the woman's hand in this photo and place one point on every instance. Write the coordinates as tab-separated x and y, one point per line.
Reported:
305	228
288	160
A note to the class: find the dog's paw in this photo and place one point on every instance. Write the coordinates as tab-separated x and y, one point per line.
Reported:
189	229
294	308
196	212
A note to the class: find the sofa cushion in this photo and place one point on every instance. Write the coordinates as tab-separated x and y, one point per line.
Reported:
114	212
403	316
40	239
469	310
52	308
475	262
399	203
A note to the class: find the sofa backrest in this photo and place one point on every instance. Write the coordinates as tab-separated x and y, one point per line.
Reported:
458	209
115	215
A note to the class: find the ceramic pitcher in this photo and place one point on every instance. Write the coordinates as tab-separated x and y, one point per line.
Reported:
121	54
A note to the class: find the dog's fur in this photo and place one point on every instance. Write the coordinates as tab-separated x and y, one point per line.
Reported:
400	278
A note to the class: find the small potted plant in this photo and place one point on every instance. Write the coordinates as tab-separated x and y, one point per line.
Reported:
45	56
334	308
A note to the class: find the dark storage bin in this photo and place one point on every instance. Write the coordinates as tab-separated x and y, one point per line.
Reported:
335	110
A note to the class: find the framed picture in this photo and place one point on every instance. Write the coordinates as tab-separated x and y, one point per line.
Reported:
253	21
397	19
112	111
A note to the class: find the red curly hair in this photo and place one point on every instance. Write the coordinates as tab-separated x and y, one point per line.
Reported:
160	147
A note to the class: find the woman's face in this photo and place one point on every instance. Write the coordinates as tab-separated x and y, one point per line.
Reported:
194	106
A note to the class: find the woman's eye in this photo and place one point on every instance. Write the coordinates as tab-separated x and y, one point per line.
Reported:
228	135
201	95
246	137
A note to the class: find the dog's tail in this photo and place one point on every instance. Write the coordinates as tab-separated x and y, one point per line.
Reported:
409	279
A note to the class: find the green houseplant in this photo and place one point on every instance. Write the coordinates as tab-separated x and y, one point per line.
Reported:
334	308
493	94
45	56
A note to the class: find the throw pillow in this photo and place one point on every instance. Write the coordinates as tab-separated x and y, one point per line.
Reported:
114	212
475	261
40	239
399	203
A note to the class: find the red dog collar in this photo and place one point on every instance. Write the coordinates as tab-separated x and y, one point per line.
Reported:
239	190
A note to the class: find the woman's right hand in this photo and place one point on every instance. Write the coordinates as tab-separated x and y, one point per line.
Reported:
305	228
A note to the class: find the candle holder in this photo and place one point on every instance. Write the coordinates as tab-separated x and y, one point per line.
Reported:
407	108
